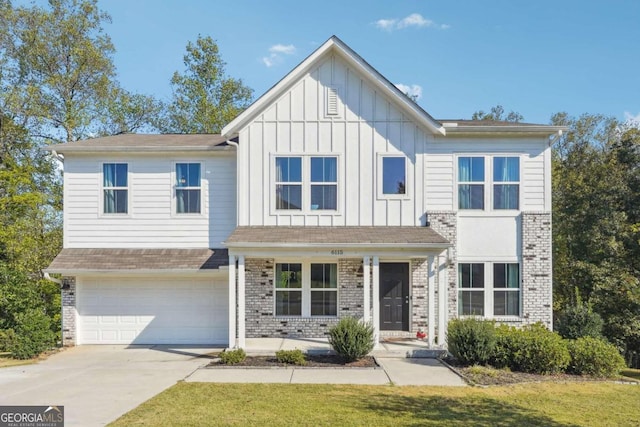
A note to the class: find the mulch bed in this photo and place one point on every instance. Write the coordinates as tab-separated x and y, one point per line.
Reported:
313	361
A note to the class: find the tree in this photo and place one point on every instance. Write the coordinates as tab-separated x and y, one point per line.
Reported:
497	114
204	97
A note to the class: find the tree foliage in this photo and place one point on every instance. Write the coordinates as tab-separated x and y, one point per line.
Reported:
205	98
497	113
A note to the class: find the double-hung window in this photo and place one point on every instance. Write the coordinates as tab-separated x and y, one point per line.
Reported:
306	183
188	190
506	182
506	289
324	183
471	289
306	289
115	188
470	182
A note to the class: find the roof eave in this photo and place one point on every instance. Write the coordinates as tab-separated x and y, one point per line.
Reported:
298	245
127	272
538	130
134	149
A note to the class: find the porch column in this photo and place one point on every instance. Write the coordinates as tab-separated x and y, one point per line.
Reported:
376	301
442	300
431	300
232	301
241	303
366	271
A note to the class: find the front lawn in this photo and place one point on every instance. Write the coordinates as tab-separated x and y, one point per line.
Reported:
6	361
548	404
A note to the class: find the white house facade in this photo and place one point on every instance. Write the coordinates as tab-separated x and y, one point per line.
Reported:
332	195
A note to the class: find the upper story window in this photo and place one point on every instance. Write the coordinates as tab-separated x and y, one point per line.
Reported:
470	182
115	188
188	190
306	183
324	183
394	175
506	179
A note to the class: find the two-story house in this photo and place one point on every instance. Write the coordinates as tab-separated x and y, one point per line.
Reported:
332	195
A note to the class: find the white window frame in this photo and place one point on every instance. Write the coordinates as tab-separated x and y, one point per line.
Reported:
488	185
306	185
489	289
306	288
101	212
380	178
174	188
459	183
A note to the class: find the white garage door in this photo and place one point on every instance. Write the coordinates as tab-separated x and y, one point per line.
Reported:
145	310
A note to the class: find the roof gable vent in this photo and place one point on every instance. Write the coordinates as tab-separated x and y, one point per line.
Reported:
333	102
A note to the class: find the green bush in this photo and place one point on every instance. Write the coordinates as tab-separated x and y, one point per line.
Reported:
594	356
471	341
540	351
6	339
33	335
508	341
579	321
291	357
231	357
351	338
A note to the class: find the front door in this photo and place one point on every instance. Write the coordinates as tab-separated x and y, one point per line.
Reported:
394	296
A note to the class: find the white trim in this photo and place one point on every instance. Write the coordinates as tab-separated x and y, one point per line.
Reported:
204	203
241	303
431	312
232	301
128	188
159	272
376	301
366	275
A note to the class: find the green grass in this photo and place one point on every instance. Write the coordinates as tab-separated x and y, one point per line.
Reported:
548	404
6	361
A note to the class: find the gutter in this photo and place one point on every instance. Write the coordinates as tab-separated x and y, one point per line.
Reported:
51	279
281	245
556	137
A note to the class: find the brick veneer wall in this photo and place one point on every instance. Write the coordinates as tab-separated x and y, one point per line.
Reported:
446	224
419	294
537	283
261	321
69	311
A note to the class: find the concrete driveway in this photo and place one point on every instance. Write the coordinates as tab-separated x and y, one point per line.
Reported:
97	384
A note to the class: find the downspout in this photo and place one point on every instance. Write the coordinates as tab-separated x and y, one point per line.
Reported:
51	279
555	138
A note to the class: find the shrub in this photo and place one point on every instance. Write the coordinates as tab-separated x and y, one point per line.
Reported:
540	351
351	338
291	357
6	339
471	341
508	341
33	335
594	356
231	357
579	321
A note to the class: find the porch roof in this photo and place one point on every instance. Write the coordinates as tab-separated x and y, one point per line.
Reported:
138	260
342	236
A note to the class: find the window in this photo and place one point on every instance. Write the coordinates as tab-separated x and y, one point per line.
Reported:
306	289
306	182
506	171
506	285
471	289
393	175
324	183
470	182
187	188
289	183
288	289
324	289
115	188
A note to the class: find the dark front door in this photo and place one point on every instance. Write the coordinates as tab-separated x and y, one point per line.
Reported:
394	296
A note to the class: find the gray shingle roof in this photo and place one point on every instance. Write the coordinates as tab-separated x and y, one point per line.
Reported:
138	259
146	142
359	236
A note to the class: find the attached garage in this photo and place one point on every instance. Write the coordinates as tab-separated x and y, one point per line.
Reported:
151	310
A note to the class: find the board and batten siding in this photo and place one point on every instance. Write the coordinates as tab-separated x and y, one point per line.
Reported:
368	124
151	221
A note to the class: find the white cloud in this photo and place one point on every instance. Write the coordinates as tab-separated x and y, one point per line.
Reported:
631	118
413	91
276	52
413	20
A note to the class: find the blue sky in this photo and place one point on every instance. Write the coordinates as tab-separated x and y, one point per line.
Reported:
535	57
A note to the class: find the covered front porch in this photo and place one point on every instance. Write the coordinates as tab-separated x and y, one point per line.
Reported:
297	282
